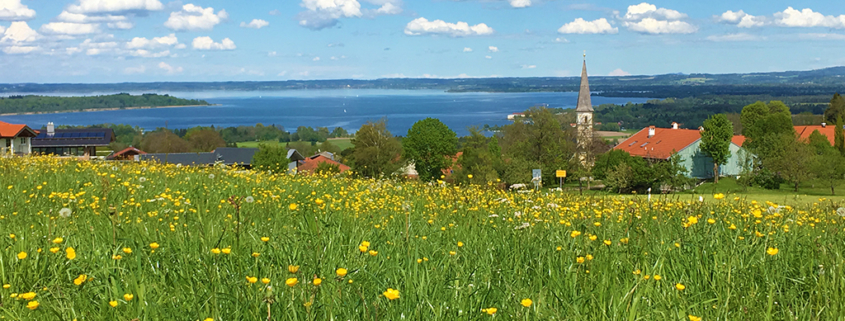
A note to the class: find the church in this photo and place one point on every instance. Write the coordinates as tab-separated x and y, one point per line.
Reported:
584	118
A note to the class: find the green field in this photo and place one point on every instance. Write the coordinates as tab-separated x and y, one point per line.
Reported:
142	241
342	143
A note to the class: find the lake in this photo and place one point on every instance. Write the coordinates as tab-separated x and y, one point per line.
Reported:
325	108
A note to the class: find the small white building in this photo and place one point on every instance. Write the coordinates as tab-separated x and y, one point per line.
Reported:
16	139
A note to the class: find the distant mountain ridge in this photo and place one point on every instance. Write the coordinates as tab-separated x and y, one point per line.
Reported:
804	82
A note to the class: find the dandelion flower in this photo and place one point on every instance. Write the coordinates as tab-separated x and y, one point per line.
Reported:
694	318
256	254
58	240
113	303
227	250
128	297
293	268
575	234
7	286
80	279
142	179
28	296
251	279
772	251
127	250
460	244
65	212
680	287
292	206
32	305
22	255
318	281
154	245
526	302
391	294
265	280
657	277
840	211
71	253
215	250
373	253
341	272
607	242
211	176
469	176
490	311
291	282
579	259
265	239
249	199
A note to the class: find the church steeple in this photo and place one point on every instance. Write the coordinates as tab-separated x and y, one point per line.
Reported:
584	102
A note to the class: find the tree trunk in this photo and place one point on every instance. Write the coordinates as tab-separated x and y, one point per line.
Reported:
832	191
796	187
715	173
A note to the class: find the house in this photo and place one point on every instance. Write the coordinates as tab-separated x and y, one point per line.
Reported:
229	156
661	143
16	139
130	154
804	132
295	159
310	164
81	142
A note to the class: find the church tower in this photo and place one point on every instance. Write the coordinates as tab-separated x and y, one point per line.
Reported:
584	120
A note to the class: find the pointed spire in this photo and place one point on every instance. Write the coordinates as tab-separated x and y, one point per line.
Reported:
585	104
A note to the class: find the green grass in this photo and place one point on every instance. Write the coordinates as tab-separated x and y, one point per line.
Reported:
449	251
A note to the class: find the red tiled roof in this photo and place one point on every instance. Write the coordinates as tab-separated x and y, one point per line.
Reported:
310	164
662	145
13	130
738	140
133	150
805	131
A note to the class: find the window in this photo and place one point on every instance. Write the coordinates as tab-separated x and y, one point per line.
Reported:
23	141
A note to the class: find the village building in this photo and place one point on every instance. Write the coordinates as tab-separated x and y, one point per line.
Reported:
310	164
16	139
77	142
230	156
128	154
584	119
659	144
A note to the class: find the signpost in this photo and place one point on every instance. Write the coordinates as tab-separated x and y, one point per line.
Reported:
536	178
561	174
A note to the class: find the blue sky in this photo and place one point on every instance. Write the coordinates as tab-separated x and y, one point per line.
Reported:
85	41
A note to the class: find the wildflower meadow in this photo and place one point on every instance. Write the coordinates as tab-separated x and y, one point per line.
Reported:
144	241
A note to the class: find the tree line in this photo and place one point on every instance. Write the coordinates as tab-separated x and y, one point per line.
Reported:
36	104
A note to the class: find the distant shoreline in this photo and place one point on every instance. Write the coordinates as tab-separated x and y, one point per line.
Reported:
99	109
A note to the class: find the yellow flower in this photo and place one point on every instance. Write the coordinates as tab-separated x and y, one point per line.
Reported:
80	279
215	250
362	248
579	259
117	257
154	245
391	294
772	251
28	296
694	318
452	252
292	207
341	272
526	302
58	240
265	239
719	196
71	253
113	304
692	220
607	242
265	280
291	282
32	305
293	268
469	176
490	311
128	297
251	279
6	286
373	253
318	281
127	250
646	277
226	250
21	255
657	277
680	287
732	227
255	254
637	272
575	233
589	257
208	319
593	237
460	244
623	240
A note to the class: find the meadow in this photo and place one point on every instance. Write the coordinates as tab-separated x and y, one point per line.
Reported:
143	241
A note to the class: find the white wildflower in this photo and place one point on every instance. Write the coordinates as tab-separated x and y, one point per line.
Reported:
65	212
211	176
142	179
249	199
840	211
523	226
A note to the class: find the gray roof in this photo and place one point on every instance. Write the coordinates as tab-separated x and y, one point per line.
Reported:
585	104
232	155
294	155
74	137
222	155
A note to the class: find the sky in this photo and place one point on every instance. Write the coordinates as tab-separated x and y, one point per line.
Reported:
105	41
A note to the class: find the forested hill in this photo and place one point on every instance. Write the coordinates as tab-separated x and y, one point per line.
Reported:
44	104
788	83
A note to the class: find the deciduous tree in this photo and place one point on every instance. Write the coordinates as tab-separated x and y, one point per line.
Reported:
271	157
376	151
430	145
716	141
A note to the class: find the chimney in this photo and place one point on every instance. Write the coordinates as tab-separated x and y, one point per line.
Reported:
701	128
51	129
824	125
651	131
674	125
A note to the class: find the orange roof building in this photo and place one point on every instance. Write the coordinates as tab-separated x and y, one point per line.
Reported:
16	138
661	143
805	131
310	164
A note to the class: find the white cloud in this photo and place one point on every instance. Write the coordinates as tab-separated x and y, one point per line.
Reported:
120	25
316	59
734	37
195	18
19	32
389	9
618	73
134	70
488	57
275	12
741	19
143	53
2	29
396	75
106	6
157	42
648	18
170	69
581	26
493	49
66	16
808	18
13	10
321	14
529	66
421	26
467	49
206	43
255	24
561	40
822	36
520	3
69	28
272	54
19	50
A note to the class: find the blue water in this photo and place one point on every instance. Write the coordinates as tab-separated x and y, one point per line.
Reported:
325	108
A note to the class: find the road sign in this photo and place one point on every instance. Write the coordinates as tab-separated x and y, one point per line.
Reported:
536	173
560	173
